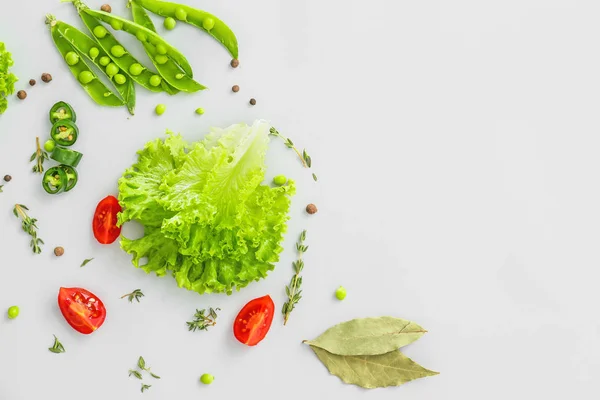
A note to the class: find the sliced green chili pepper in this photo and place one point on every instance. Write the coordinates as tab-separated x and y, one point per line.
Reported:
62	110
55	180
66	156
64	133
72	177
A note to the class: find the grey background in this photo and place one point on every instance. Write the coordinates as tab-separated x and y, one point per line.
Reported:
456	145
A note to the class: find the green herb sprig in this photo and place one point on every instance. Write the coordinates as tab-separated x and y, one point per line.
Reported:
86	261
202	320
40	156
142	365
293	289
135	295
57	347
145	387
29	225
304	157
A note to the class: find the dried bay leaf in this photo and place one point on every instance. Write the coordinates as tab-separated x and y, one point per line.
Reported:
368	336
383	370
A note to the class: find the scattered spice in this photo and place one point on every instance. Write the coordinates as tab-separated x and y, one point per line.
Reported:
40	156
22	95
32	82
59	251
106	8
202	321
57	347
293	289
7	178
253	102
46	77
135	295
235	88
235	63
29	225
311	209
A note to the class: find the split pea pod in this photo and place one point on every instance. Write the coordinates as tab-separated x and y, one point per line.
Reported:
200	19
91	50
82	72
164	64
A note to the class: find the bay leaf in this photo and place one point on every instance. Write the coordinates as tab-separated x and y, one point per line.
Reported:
383	370
368	336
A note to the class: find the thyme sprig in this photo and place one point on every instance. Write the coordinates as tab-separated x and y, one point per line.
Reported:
202	320
145	387
40	156
57	347
143	367
29	225
135	295
293	289
304	157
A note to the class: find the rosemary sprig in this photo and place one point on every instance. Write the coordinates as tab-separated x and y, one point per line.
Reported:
40	156
202	321
142	366
304	157
135	295
29	225
293	289
57	347
145	387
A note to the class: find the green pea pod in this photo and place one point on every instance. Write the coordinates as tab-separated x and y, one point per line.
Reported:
200	19
97	90
168	67
84	45
66	156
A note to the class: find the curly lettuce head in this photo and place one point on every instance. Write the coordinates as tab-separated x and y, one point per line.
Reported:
7	79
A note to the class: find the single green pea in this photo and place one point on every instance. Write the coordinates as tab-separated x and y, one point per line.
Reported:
161	48
72	58
160	109
207	379
155	80
116	25
94	52
112	69
200	111
208	24
104	61
280	180
170	23
117	51
340	293
100	31
85	77
136	69
13	312
120	79
161	59
49	145
141	36
180	14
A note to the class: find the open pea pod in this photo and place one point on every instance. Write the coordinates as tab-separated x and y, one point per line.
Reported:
198	18
164	64
96	89
88	48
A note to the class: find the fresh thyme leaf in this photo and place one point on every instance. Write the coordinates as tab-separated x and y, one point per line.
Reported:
142	363
293	289
1	186
29	226
153	375
135	295
57	347
135	373
202	320
315	177
145	387
85	262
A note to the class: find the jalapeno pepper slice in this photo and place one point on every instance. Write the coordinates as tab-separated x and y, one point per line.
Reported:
55	180
72	176
64	132
62	111
66	156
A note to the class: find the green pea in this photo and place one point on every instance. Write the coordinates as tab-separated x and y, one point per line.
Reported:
136	69
208	24
161	48
180	14
72	58
200	111
280	180
117	51
94	52
100	31
340	293
85	77
155	80
120	79
116	25
160	109
170	23
141	36
104	61
160	59
112	69
13	312
207	379
49	145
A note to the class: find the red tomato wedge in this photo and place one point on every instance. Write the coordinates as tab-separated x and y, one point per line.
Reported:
82	309
104	224
254	321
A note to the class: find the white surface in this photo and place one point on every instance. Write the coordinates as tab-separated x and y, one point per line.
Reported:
456	145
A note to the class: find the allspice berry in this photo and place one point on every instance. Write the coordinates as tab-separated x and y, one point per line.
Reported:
106	8
46	77
7	178
59	251
32	82
253	102
22	95
235	63
235	88
311	209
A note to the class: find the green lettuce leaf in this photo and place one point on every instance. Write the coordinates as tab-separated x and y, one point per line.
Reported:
7	79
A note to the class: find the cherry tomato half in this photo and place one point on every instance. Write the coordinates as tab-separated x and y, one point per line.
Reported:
254	321
104	224
83	310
